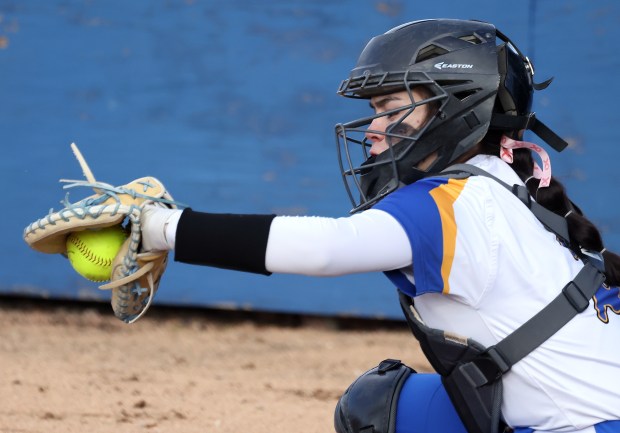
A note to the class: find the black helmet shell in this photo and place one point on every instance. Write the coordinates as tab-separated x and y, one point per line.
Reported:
470	75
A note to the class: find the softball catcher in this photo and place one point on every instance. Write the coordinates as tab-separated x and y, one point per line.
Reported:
502	278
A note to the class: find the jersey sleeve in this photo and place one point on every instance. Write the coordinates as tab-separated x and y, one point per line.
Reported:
370	241
448	234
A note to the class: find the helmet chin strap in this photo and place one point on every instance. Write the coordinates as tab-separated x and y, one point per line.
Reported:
542	173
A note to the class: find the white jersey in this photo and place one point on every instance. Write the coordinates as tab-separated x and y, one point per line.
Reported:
482	266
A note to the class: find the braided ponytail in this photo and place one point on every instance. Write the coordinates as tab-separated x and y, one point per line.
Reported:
583	233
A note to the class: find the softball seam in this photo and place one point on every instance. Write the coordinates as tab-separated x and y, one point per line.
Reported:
81	246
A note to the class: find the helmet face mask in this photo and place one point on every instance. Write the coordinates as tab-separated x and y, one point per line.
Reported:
374	176
467	76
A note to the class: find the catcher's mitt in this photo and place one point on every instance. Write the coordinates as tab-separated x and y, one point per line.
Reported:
135	273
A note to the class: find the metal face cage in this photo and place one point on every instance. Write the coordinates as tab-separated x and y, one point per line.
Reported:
369	178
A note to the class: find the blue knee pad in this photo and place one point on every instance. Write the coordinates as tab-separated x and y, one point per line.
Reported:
391	398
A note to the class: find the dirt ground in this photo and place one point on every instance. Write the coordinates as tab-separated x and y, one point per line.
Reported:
76	368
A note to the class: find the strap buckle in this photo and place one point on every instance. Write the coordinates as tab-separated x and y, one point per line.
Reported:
387	365
576	297
595	258
530	119
498	358
485	368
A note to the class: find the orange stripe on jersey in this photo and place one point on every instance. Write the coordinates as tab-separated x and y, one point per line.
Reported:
445	195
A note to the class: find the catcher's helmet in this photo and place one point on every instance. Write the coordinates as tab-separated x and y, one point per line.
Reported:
473	84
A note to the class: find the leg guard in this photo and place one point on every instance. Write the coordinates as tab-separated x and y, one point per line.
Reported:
369	404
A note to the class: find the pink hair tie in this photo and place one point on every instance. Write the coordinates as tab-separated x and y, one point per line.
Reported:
544	173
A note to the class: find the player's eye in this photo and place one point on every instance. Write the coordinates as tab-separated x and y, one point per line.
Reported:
394	112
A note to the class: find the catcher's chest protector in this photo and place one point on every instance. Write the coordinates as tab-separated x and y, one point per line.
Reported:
471	373
479	407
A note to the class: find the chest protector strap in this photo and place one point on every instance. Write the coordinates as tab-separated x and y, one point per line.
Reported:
471	373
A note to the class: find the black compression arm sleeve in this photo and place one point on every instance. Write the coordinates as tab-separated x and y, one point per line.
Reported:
228	241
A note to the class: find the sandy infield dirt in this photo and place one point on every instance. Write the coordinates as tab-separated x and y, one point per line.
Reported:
76	368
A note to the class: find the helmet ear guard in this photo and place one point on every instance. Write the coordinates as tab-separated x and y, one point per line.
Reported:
508	102
514	95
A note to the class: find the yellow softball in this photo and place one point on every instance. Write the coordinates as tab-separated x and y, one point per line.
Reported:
91	252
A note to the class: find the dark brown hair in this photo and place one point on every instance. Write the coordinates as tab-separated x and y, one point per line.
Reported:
583	233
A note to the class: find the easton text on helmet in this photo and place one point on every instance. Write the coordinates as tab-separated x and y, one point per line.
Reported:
443	65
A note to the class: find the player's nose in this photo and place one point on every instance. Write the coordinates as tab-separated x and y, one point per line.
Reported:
374	135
